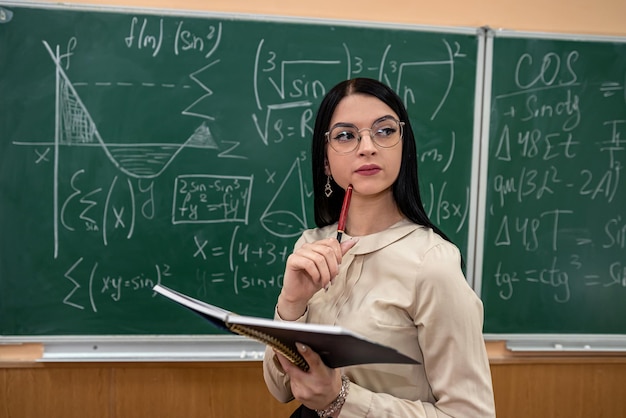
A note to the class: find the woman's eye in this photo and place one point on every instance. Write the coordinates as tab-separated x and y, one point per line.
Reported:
385	131
344	136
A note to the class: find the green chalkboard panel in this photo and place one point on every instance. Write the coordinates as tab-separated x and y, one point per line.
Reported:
142	147
555	216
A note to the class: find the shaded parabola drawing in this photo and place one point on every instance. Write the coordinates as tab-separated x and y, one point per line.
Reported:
75	126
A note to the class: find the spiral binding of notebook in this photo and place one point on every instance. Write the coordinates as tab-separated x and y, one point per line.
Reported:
285	350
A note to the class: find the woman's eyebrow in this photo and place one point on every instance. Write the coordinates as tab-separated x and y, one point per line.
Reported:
375	121
380	119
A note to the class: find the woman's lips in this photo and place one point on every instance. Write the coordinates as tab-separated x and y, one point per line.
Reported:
368	170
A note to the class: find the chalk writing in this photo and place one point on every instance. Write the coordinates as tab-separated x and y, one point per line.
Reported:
554	213
210	198
176	149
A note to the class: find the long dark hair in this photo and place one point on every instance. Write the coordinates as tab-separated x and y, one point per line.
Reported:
406	191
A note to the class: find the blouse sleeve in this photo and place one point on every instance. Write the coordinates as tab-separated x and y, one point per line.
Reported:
449	317
276	380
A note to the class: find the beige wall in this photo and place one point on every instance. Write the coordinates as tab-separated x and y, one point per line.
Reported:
601	17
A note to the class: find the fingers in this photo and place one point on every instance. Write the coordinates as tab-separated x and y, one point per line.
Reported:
315	264
319	260
312	358
347	245
319	386
285	364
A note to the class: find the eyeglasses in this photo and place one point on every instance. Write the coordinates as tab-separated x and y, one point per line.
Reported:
344	138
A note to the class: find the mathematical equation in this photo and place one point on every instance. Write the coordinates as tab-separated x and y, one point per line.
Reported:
557	194
215	271
176	150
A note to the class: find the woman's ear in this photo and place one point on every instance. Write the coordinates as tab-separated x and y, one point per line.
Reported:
327	168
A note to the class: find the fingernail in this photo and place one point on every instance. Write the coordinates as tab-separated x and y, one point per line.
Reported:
301	347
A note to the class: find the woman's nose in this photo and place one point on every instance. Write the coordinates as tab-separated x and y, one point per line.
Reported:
366	144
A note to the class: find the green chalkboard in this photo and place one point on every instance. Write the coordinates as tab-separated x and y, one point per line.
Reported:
555	213
142	147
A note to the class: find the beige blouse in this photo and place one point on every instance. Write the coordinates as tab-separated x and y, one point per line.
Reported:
404	287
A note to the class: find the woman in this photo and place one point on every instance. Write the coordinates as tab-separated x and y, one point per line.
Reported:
395	278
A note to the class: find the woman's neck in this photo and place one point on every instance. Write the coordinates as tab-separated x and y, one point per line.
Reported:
371	214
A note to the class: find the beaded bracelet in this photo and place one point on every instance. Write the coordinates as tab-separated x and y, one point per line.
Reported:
338	402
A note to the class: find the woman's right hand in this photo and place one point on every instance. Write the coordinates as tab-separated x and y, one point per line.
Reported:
310	268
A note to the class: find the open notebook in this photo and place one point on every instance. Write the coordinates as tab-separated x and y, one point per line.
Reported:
336	346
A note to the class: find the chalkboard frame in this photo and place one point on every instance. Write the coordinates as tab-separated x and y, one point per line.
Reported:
223	347
528	342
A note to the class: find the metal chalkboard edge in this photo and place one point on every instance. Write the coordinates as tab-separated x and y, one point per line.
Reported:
169	348
584	343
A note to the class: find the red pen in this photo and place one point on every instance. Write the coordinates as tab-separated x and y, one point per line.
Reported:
344	213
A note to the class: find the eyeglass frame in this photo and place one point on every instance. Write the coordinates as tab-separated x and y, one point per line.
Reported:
358	141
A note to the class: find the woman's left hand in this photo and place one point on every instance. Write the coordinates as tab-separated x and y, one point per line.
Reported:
316	388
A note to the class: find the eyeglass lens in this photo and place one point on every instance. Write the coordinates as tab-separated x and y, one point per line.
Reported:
346	137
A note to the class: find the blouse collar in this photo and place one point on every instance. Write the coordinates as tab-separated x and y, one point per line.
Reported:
378	240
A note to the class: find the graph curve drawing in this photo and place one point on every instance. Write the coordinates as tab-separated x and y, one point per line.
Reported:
75	127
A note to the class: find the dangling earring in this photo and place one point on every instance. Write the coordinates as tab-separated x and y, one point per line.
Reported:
328	190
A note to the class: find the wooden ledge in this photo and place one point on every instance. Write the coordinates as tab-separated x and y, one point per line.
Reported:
499	354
